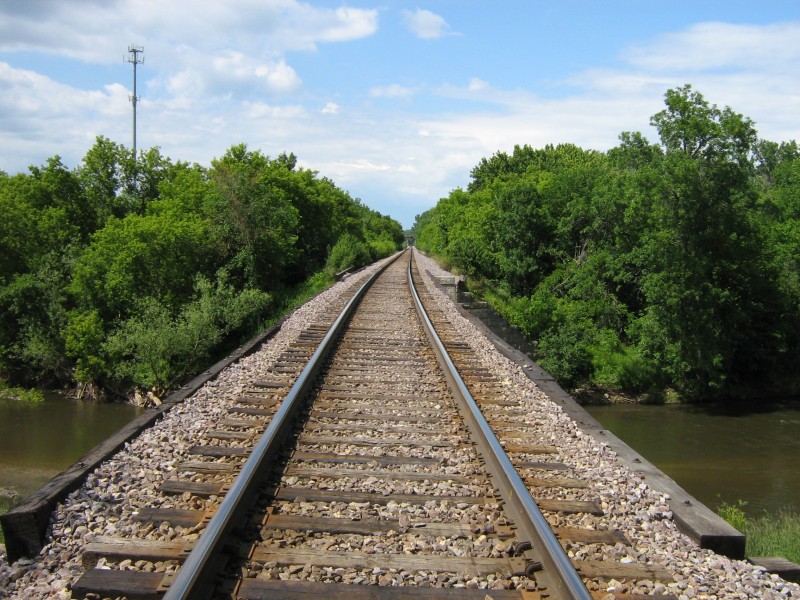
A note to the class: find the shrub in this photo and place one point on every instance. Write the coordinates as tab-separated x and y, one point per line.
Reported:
349	251
618	366
157	348
734	514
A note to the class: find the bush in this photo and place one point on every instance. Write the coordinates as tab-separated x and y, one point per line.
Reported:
17	394
83	343
734	514
564	353
381	248
349	251
156	348
621	367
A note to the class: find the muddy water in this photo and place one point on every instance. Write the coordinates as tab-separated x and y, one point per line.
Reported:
719	453
39	441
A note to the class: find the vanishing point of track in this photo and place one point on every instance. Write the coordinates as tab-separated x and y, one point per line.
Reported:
377	452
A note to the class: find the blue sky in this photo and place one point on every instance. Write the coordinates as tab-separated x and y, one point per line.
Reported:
394	101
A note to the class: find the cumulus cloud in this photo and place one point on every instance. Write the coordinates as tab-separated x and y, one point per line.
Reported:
91	31
232	73
425	24
38	113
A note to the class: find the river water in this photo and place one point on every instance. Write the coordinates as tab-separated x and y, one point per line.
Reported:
718	453
38	441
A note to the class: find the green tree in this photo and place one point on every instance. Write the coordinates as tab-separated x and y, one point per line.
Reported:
254	219
136	257
706	278
107	174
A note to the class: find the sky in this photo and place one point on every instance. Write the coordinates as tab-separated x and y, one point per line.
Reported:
394	101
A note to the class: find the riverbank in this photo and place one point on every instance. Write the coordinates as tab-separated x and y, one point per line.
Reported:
768	534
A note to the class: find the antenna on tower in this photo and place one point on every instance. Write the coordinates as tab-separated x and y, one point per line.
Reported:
135	57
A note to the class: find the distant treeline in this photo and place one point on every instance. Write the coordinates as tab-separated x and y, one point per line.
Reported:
648	268
135	271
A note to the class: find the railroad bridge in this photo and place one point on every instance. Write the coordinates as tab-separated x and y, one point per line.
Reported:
380	442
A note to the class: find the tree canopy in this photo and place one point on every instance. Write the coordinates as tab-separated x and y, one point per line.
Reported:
135	270
647	267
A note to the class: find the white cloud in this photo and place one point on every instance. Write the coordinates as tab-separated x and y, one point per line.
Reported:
330	108
232	73
38	113
711	46
260	110
391	91
279	77
94	31
425	24
477	85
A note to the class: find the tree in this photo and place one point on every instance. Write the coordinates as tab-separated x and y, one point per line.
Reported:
107	174
254	218
705	275
691	125
136	257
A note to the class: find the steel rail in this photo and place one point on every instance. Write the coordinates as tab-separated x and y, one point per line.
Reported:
559	575
195	578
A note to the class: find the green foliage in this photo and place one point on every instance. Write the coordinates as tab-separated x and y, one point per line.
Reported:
255	219
690	125
734	514
647	267
134	270
158	346
770	534
17	394
84	336
143	256
348	252
622	367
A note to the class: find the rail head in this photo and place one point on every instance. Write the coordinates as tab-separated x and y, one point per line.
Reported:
560	576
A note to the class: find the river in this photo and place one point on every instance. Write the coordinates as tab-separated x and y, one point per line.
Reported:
38	441
727	452
717	453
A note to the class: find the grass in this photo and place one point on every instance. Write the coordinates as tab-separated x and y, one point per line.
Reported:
290	298
5	505
776	534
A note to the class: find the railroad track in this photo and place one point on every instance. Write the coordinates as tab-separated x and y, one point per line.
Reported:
372	461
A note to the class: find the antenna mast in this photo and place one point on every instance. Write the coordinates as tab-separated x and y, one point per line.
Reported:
135	57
